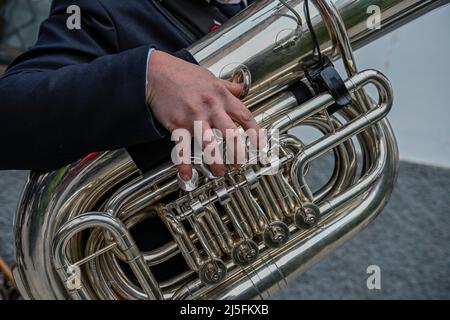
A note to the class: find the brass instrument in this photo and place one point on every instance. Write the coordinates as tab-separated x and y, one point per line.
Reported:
244	235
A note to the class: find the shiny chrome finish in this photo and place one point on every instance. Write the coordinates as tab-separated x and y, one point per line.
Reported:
251	38
244	235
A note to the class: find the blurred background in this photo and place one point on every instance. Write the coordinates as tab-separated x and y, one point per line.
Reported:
410	239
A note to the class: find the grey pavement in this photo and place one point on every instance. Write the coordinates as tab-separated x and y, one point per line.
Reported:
11	184
409	241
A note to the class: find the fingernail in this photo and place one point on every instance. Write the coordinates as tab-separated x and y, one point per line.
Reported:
185	177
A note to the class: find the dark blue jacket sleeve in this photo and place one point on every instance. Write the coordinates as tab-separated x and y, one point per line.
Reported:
73	93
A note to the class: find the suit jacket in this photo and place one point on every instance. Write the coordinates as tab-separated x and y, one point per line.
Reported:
81	91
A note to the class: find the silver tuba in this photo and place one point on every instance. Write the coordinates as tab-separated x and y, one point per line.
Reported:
246	234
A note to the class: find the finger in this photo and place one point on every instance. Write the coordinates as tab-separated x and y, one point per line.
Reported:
185	171
212	150
236	149
240	114
235	146
234	88
181	155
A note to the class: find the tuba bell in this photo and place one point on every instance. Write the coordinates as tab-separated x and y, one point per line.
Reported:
244	235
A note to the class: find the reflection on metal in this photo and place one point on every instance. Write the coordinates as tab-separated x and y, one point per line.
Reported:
245	234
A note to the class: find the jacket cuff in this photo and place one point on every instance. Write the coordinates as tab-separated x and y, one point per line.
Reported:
142	124
144	155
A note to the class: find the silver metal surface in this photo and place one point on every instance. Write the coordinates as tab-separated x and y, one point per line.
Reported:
250	38
245	234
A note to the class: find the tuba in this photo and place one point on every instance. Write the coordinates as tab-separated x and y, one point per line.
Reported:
244	235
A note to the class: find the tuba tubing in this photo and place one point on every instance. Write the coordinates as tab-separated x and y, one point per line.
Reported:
273	273
268	49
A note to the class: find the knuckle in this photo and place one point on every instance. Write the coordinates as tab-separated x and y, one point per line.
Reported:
246	114
220	90
218	116
241	113
208	99
193	109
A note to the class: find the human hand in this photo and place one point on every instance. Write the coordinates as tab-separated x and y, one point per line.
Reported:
180	93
